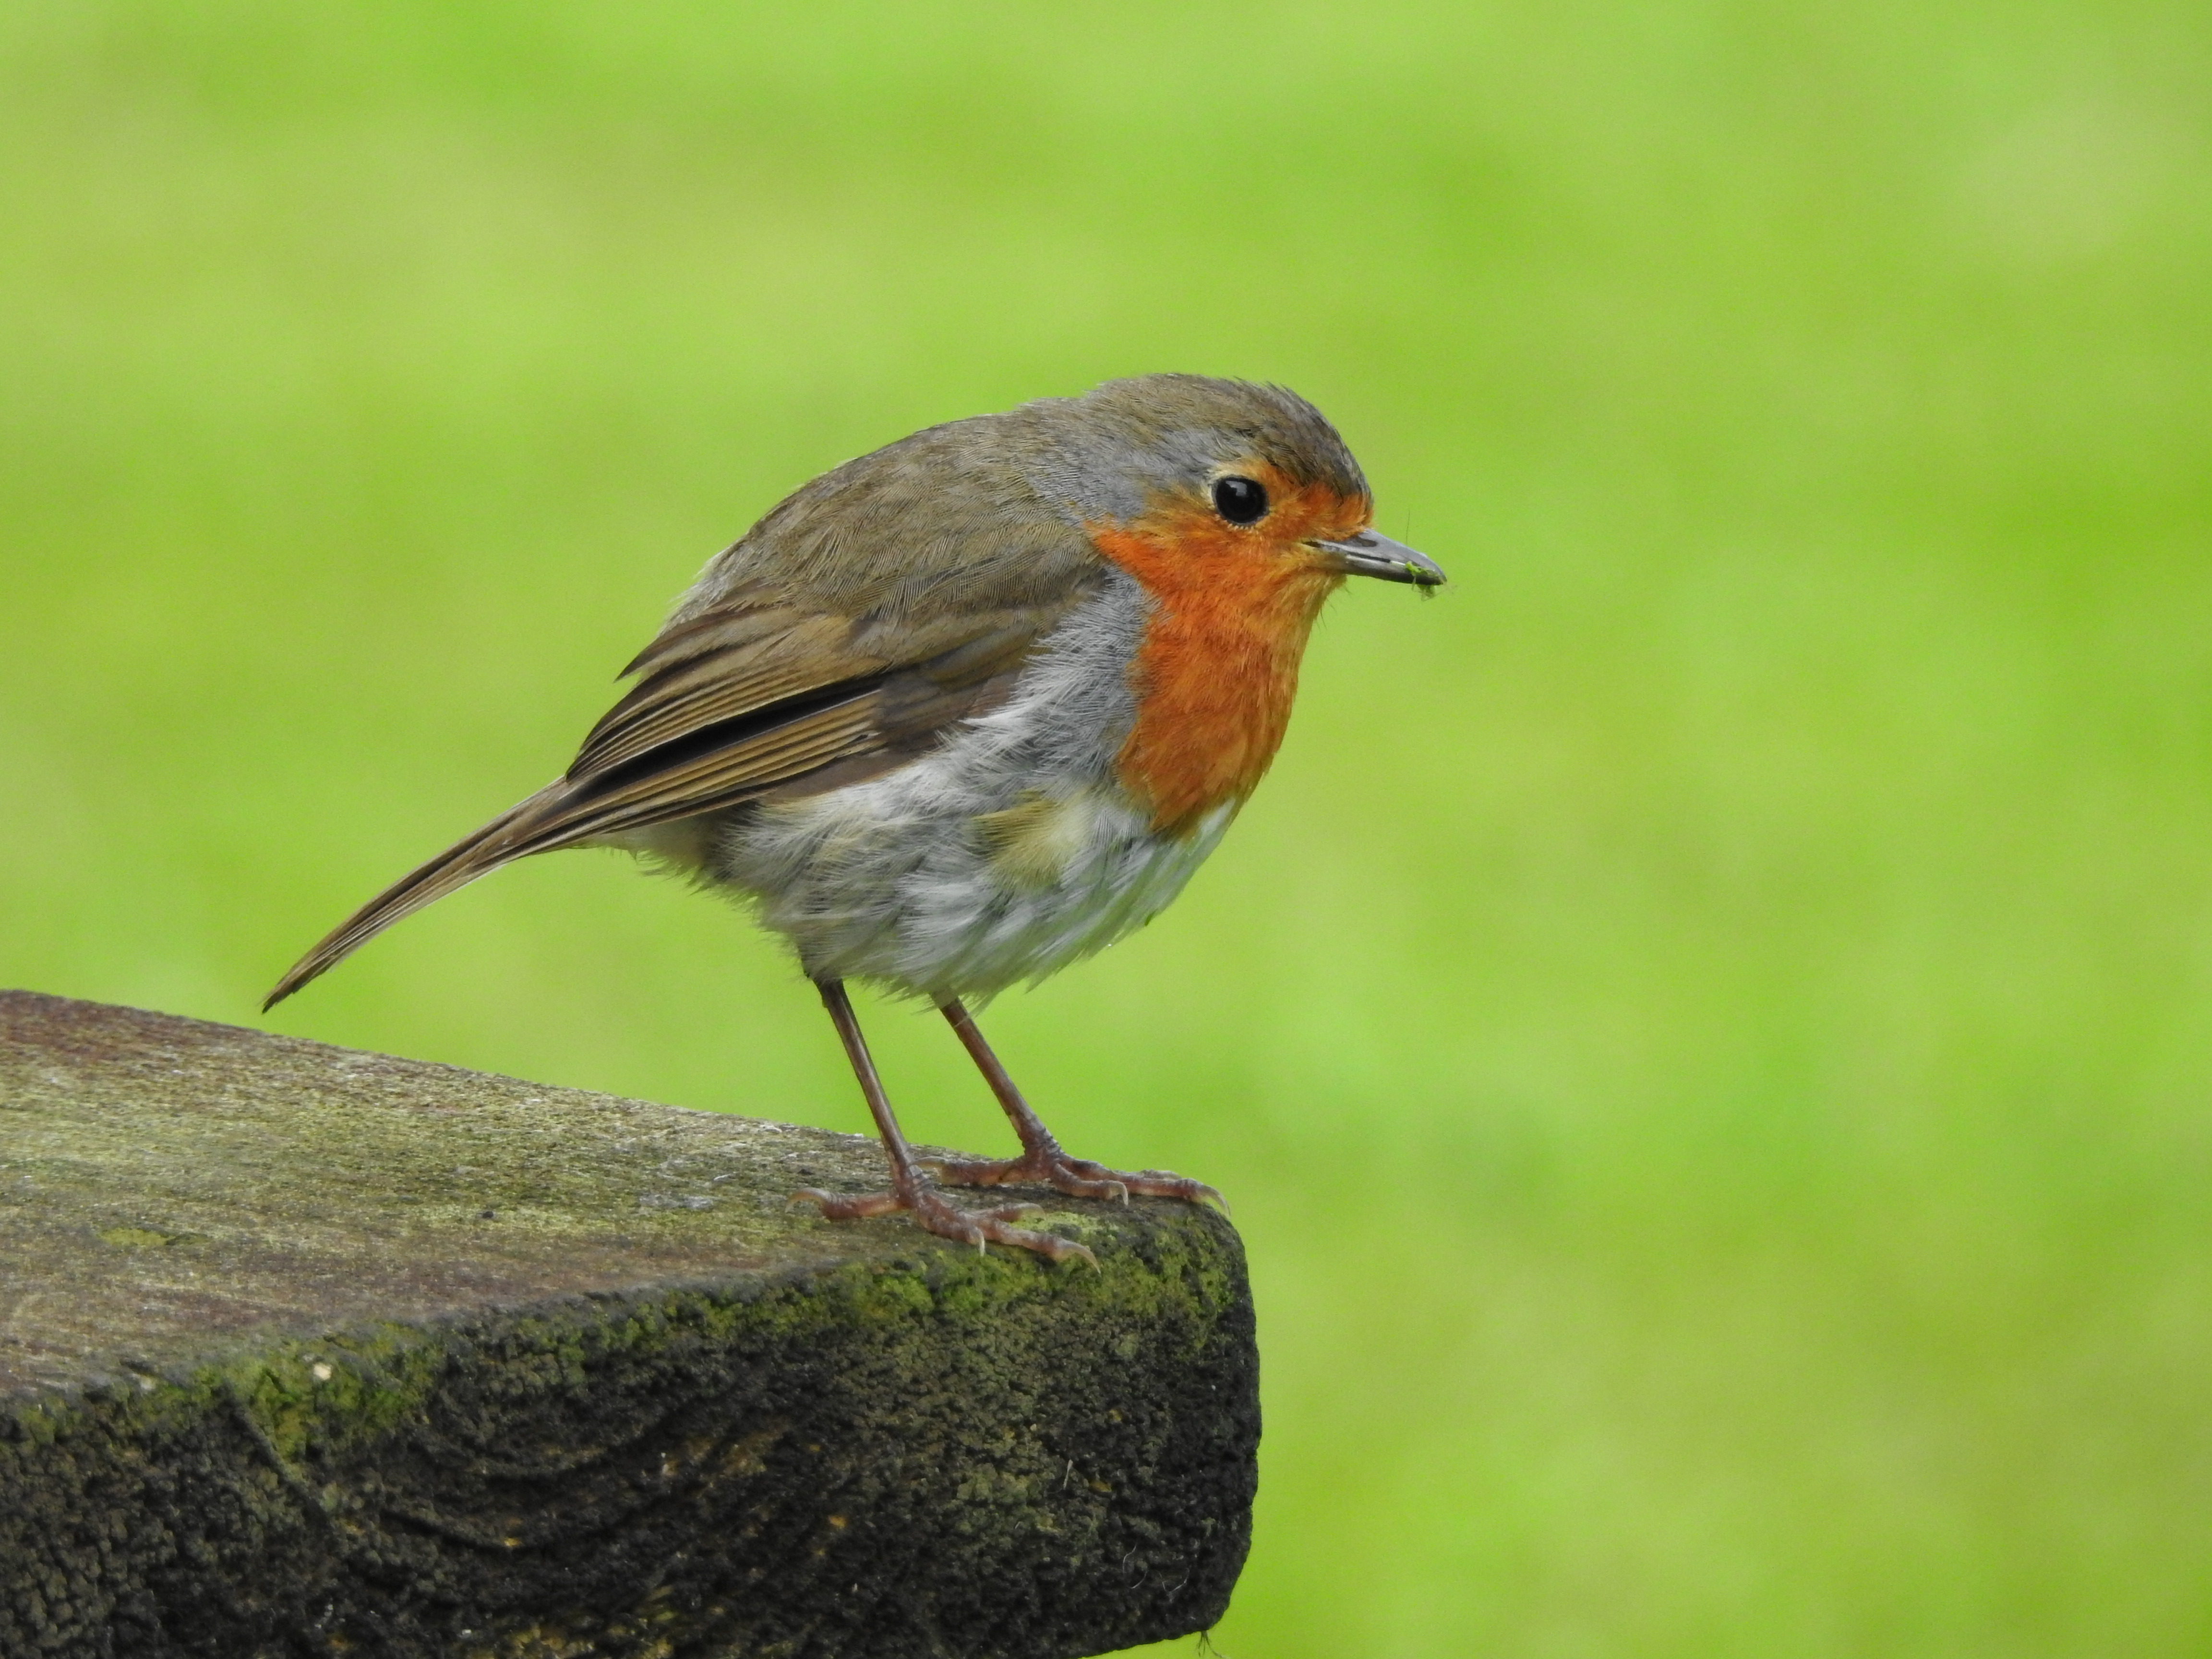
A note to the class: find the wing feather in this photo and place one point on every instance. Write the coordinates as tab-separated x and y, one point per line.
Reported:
563	814
760	686
694	688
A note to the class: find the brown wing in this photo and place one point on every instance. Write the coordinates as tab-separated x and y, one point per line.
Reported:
865	614
730	706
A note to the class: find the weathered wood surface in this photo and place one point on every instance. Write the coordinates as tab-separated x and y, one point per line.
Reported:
304	1351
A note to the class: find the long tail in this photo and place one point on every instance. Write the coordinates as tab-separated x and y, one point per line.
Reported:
514	834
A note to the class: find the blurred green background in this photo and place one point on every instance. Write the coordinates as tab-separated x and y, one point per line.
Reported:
1707	1027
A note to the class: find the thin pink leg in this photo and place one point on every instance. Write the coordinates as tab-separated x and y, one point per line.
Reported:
1041	1160
911	1190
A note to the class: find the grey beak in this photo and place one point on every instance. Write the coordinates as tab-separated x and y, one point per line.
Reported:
1371	554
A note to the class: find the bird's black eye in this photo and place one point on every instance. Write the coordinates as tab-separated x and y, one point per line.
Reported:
1240	501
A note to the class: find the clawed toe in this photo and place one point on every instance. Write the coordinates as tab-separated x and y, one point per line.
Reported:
847	1206
1149	1183
1054	1173
1078	1177
933	1214
989	1225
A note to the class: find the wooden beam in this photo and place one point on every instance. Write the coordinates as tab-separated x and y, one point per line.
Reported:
305	1349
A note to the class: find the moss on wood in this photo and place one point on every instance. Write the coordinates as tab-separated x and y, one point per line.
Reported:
310	1352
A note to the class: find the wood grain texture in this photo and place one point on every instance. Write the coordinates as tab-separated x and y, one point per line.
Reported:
309	1351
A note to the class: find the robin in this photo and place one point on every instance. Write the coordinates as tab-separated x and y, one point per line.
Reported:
966	709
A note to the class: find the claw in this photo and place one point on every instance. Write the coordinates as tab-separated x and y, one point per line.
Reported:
846	1206
932	1213
1078	1177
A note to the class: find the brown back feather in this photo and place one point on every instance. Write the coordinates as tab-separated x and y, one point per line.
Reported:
713	731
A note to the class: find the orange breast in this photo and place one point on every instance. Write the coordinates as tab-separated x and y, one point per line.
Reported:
1218	664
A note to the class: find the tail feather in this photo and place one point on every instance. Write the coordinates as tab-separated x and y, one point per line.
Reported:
505	839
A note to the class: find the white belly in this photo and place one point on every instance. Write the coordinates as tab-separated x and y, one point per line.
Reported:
870	883
1005	855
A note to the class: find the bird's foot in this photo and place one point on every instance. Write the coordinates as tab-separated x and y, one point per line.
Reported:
1078	1177
933	1214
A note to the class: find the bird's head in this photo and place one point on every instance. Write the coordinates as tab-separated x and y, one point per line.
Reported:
1197	480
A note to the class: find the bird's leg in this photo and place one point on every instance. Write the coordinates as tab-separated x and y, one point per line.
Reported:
910	1190
1041	1160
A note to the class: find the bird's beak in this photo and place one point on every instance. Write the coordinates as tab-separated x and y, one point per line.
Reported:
1366	553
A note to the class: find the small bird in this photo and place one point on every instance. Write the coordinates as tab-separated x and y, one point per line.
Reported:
967	709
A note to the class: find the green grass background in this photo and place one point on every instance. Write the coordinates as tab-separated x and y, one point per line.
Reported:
1706	1028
